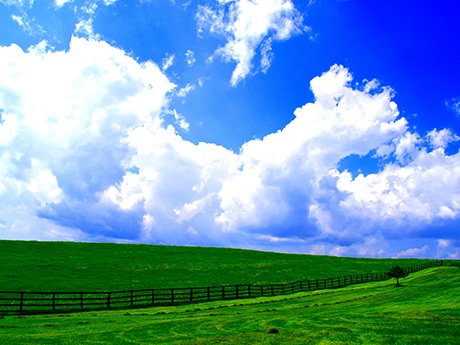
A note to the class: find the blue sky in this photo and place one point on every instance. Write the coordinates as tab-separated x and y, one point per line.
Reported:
326	127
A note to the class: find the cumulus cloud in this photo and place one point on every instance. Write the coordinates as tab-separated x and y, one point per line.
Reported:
86	154
442	138
64	115
287	187
248	26
423	191
287	182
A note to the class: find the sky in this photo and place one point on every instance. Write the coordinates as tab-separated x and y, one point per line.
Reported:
322	127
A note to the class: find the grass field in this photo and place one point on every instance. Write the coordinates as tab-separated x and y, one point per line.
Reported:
426	310
63	266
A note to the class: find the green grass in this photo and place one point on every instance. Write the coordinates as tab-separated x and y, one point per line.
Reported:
62	266
426	310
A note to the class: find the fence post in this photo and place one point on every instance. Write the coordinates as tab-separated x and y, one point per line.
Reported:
81	300
172	296
292	287
53	303
237	291
249	291
209	293
317	286
132	298
21	302
301	286
271	288
153	296
108	300
309	287
191	295
261	290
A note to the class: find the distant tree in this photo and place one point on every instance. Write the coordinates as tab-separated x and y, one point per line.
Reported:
397	272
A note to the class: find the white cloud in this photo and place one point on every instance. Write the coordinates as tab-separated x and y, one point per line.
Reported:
65	115
43	184
190	58
181	121
289	180
247	26
406	147
18	3
282	173
403	199
413	252
27	24
440	139
176	182
86	15
185	90
19	20
8	128
190	210
86	155
60	3
167	62
448	249
84	26
267	56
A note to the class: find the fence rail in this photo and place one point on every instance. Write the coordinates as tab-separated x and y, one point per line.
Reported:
12	302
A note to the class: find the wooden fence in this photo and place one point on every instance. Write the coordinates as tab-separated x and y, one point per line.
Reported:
45	302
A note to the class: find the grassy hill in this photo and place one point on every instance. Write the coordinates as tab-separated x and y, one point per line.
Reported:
69	266
426	310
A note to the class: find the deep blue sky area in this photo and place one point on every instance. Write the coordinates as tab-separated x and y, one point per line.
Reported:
264	124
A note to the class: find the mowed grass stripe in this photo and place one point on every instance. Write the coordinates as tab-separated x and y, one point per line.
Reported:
69	266
426	310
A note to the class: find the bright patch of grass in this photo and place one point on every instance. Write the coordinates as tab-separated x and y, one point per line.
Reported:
426	310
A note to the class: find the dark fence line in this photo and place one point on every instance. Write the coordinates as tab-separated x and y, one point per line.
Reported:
45	302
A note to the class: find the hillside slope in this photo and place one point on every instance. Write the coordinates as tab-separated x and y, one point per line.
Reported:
69	266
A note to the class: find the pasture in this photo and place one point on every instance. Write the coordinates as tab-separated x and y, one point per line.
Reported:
426	310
